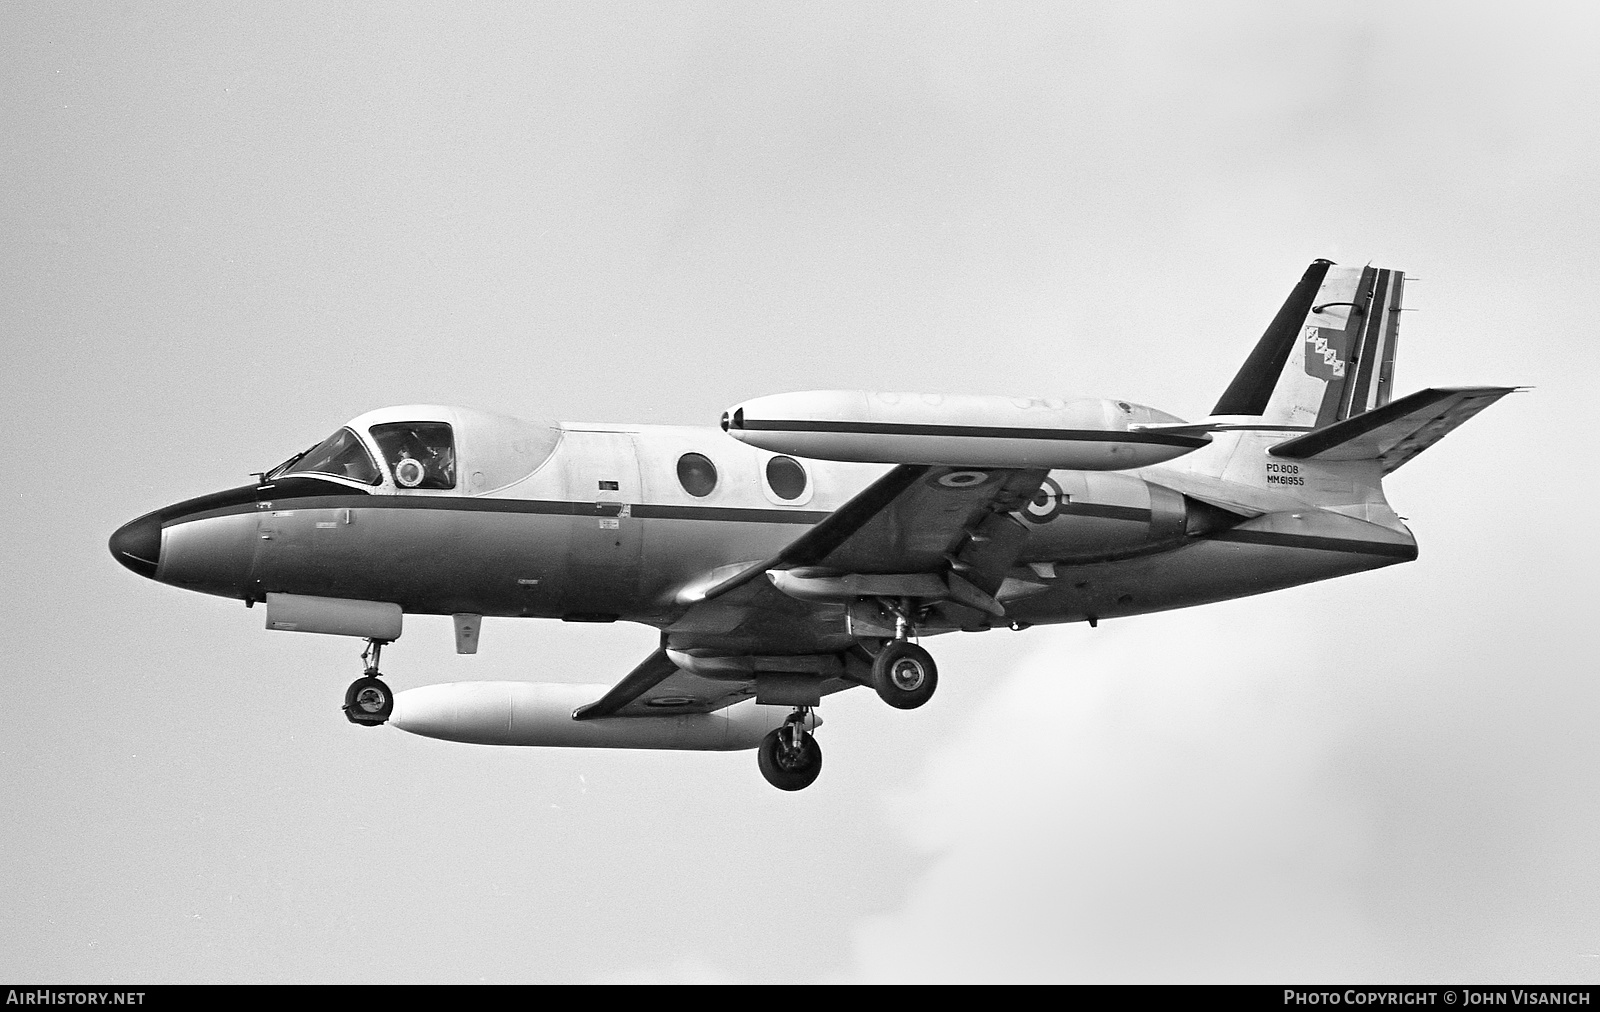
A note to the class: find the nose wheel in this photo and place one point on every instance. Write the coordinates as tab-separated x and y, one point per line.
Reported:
789	756
369	700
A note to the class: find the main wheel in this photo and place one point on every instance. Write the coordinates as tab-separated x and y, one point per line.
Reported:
904	675
787	768
368	701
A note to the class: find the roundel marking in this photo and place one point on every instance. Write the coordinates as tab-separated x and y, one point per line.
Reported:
666	701
1045	505
963	479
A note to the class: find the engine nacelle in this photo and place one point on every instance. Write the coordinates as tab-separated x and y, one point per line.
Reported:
540	713
1085	434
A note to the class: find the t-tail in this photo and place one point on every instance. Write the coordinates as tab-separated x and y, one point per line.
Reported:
1311	413
1325	369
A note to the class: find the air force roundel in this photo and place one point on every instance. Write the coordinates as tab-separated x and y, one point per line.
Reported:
1045	505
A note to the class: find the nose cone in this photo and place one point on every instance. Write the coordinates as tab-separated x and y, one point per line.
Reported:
137	545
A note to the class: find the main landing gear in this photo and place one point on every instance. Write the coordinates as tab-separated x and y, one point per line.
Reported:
903	673
789	756
369	700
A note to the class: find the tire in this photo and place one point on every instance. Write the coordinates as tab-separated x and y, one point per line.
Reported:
785	768
904	675
368	701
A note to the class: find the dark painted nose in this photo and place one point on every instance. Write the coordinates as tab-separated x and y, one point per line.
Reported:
137	545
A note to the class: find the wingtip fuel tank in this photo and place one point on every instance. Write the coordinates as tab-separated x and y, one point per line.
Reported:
540	713
1084	434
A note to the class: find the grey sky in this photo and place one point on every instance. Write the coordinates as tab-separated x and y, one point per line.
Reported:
226	229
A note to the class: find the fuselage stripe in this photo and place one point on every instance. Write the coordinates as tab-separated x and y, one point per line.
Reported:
1104	512
724	514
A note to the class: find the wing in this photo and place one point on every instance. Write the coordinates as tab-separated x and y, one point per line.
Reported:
915	519
658	686
784	630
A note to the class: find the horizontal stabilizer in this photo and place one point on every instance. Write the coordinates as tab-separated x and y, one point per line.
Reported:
1395	432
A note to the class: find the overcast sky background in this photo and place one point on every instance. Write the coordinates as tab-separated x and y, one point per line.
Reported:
225	229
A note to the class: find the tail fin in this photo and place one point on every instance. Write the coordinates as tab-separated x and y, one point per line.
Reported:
1329	353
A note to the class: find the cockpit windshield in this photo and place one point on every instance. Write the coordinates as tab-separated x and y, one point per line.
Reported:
340	455
421	454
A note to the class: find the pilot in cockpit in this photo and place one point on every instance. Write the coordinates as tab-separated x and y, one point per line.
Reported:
420	454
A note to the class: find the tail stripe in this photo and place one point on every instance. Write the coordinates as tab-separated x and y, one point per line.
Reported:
1367	355
1345	348
1391	341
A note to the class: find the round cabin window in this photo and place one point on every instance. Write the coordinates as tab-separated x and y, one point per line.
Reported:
697	474
786	477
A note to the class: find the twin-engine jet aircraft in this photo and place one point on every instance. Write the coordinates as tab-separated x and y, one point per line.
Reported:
806	545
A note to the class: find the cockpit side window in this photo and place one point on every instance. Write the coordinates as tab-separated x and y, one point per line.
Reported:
420	454
341	455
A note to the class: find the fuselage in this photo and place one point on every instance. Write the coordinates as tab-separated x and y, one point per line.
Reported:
614	522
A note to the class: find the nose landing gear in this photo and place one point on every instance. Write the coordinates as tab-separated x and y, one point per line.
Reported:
789	756
369	700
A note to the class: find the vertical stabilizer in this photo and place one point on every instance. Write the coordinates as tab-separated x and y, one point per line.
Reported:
1329	353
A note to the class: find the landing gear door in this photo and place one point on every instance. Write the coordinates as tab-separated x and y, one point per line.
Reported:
605	539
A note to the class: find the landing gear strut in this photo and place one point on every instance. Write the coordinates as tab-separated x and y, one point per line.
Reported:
369	700
789	756
903	673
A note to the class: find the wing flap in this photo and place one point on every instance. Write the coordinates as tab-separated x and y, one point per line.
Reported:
1395	432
